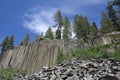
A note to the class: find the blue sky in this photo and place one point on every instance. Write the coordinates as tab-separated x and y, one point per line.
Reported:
19	17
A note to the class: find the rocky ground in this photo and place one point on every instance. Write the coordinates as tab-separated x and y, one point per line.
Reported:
77	69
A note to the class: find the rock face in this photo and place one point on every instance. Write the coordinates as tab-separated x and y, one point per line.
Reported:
44	52
79	69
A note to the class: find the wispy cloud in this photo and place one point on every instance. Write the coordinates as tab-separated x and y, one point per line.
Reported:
38	19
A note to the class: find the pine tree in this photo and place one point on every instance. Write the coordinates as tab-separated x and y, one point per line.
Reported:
49	33
114	14
86	26
106	25
77	25
26	40
12	41
58	34
5	44
94	29
67	29
59	23
81	26
116	3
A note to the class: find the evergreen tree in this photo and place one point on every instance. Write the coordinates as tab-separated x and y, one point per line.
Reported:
67	29
94	29
5	44
12	41
59	23
106	25
76	26
58	34
49	33
86	26
81	26
116	3
114	14
26	40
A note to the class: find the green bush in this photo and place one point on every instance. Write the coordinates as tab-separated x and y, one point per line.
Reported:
7	74
61	57
115	55
23	73
95	52
91	53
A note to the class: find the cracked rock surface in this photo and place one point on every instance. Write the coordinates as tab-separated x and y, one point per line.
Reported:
77	69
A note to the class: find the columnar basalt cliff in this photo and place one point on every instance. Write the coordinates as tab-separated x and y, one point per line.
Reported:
44	53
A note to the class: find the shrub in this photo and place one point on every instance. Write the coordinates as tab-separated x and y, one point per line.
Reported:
7	74
61	57
115	55
95	52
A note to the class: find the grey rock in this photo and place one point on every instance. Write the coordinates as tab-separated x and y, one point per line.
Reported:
92	69
44	52
53	77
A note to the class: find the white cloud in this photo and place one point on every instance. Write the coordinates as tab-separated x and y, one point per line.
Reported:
38	19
